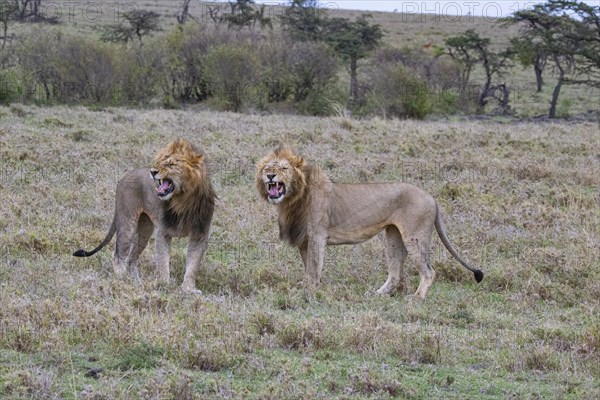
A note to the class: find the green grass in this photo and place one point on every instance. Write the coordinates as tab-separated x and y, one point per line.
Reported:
520	200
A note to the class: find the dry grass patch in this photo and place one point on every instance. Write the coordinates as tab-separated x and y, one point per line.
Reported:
255	332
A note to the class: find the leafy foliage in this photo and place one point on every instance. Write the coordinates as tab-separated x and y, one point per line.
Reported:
138	23
304	20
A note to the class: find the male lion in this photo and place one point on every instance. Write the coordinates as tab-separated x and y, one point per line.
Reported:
314	212
176	197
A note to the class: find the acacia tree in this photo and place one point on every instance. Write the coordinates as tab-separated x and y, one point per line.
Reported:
30	11
185	11
27	9
139	23
531	53
353	40
470	49
586	33
245	13
462	49
304	20
556	33
7	13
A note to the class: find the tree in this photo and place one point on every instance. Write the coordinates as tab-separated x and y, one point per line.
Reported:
353	40
530	53
244	13
586	33
182	18
29	11
556	33
462	49
7	13
26	9
304	20
140	23
470	49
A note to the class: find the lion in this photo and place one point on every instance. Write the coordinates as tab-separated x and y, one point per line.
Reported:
177	198
314	212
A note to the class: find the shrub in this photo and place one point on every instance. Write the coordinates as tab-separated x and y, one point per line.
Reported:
36	56
397	92
323	101
177	58
314	69
232	72
11	87
137	77
68	68
431	84
89	68
275	57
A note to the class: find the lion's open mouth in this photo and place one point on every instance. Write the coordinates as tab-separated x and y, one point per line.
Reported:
275	189
164	187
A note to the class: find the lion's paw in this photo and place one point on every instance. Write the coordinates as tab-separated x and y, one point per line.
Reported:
192	290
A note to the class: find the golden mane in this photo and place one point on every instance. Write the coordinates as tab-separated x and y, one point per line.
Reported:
191	208
300	179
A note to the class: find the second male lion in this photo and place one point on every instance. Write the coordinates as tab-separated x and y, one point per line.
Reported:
314	212
175	197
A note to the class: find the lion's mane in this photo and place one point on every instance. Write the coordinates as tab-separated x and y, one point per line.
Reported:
191	209
300	180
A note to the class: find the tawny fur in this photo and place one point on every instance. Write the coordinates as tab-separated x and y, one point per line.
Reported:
139	210
314	212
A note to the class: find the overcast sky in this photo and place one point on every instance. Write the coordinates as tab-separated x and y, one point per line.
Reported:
498	8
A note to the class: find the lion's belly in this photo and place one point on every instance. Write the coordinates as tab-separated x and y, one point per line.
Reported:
352	236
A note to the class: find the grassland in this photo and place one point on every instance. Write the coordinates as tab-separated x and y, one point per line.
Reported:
520	201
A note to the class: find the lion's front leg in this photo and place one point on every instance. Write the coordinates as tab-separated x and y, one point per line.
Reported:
195	252
162	245
313	260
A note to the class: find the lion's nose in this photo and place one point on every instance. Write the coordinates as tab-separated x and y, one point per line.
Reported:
270	176
153	172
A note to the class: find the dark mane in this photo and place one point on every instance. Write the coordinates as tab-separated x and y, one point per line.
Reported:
197	216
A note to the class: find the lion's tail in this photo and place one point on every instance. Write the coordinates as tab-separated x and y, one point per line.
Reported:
441	230
109	235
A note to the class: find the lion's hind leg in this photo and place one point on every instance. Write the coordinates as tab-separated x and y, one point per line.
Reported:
395	254
418	249
145	228
126	246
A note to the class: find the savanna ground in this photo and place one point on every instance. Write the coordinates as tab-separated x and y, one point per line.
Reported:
520	200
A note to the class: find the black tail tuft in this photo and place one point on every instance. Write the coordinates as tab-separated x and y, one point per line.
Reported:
478	275
81	253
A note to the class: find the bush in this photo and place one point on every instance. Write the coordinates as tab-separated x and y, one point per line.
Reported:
36	56
178	60
314	68
89	68
68	68
137	76
397	92
276	57
11	87
434	84
323	101
232	75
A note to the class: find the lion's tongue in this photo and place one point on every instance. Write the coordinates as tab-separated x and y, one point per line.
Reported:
163	187
274	190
